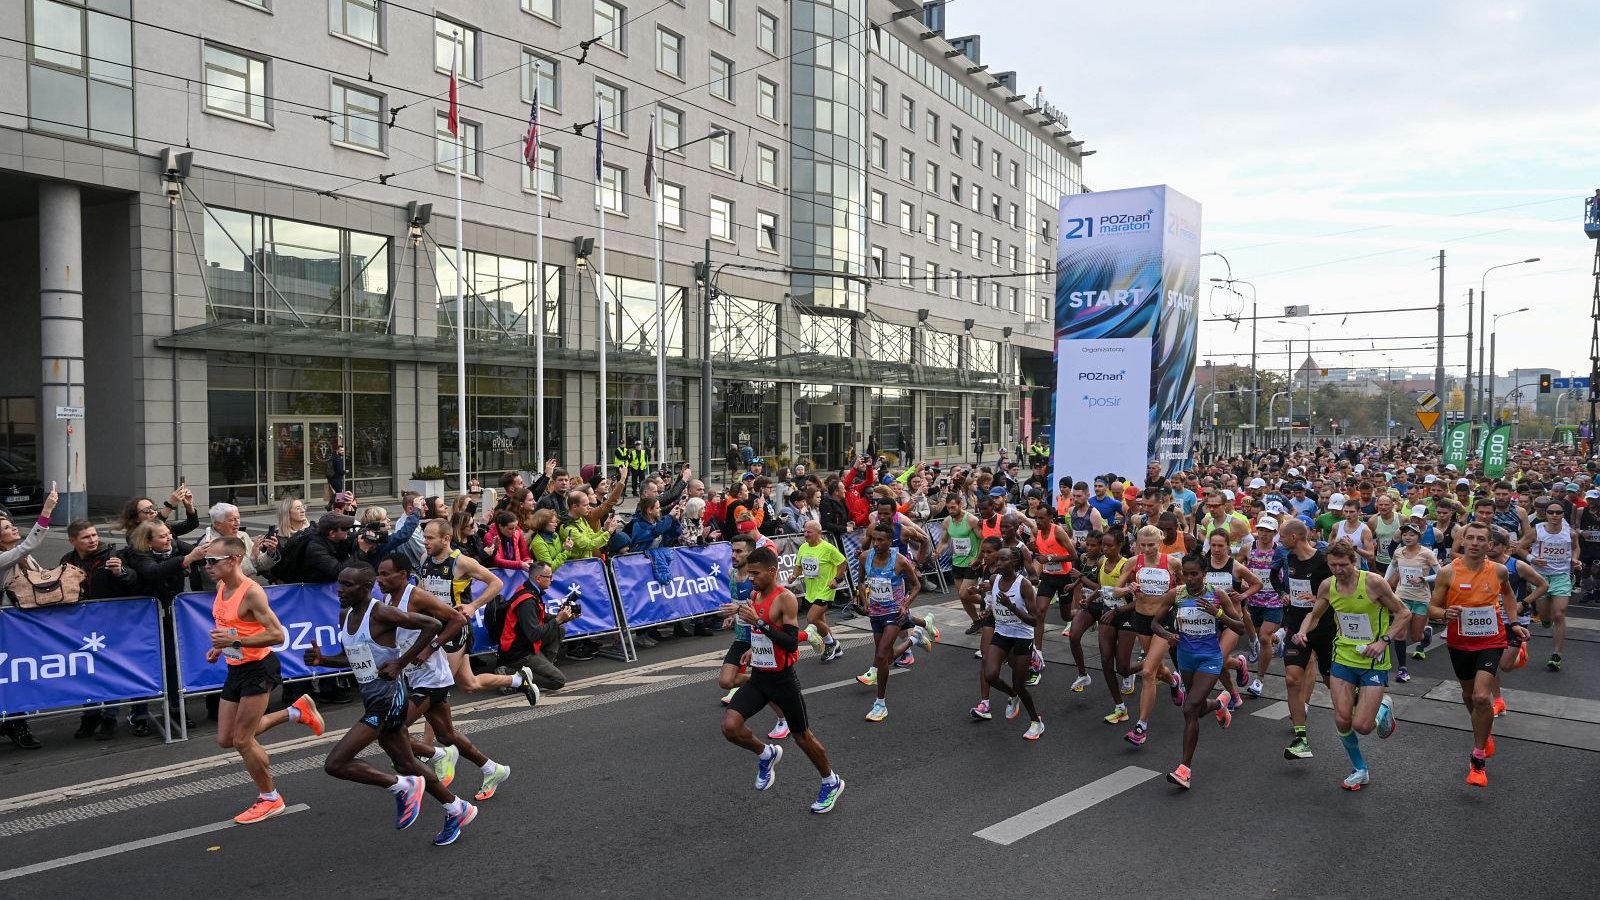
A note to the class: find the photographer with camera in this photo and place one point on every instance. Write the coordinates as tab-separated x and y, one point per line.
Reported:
529	628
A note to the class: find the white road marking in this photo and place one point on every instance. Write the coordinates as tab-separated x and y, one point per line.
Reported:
1275	711
140	844
1069	804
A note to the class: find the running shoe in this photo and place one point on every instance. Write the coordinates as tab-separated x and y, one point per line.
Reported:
1013	706
828	795
1386	719
260	810
1554	662
492	782
1478	773
1279	641
1244	668
528	689
1356	780
1066	632
767	768
1255	649
878	712
905	660
1419	653
1137	736
833	651
444	768
408	803
974	628
453	824
1488	748
1235	700
310	716
1427	636
1119	714
1035	661
978	653
1127	685
1255	687
1224	713
1401	675
1082	682
1178	692
869	677
815	637
1299	748
1179	776
779	731
728	697
930	632
981	711
1035	729
1034	678
1499	707
1522	655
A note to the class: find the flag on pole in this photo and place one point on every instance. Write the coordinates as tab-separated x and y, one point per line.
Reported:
530	143
650	162
454	119
599	142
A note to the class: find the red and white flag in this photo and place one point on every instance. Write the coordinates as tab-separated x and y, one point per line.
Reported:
530	141
454	119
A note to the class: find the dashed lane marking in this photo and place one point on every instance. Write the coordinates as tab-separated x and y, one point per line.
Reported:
1065	806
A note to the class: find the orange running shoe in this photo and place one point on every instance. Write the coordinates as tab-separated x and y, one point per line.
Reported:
1488	749
1522	655
260	810
1499	707
1478	774
310	717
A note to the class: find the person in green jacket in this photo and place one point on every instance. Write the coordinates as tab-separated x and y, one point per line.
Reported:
546	544
587	534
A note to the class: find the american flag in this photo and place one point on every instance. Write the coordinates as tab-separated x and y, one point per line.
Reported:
530	143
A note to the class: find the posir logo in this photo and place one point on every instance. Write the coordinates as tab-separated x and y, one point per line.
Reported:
681	586
1101	402
1103	376
51	666
1084	299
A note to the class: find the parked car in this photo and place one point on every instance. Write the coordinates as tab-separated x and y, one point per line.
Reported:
21	490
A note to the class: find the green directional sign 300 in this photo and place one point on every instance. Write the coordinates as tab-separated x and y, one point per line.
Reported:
1497	448
1456	439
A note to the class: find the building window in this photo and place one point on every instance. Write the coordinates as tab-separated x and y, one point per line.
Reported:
315	275
236	85
930	277
1011	295
930	227
721	150
669	53
669	129
955	140
767	31
354	116
722	13
877	261
994	294
539	74
767	231
975	240
613	106
80	77
941	350
721	219
933	128
994	206
1013	215
994	251
614	188
671	204
908	214
955	236
879	95
880	150
996	161
767	165
609	25
721	78
875	207
955	283
977	198
546	8
955	187
767	99
549	172
827	335
457	40
977	152
906	265
1016	174
446	155
908	166
908	113
932	177
358	20
1011	257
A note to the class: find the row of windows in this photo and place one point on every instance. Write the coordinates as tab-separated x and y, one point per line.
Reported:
959	286
931	231
997	164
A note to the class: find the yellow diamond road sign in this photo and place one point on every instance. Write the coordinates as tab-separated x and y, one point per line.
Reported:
1428	402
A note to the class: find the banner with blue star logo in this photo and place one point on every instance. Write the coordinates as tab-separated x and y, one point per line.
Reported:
65	656
666	585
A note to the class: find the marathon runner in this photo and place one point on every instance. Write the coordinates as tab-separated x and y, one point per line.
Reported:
1115	620
368	630
1549	548
1265	605
1226	575
1363	608
1081	516
246	631
1012	603
1474	597
1053	548
1199	608
890	583
985	571
1085	606
1305	570
1529	587
818	565
772	615
1151	583
1352	530
962	536
447	572
1410	573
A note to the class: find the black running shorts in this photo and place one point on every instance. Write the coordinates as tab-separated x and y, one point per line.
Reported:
782	688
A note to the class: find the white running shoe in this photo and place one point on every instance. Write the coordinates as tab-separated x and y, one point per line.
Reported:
1082	682
1034	730
1013	706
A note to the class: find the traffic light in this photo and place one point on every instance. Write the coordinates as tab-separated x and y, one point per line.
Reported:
1544	384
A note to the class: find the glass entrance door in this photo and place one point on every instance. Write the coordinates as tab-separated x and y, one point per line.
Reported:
299	449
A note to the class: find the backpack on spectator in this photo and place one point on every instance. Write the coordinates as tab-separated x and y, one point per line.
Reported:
33	588
499	610
291	565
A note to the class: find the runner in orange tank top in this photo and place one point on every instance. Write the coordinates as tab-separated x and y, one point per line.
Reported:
246	631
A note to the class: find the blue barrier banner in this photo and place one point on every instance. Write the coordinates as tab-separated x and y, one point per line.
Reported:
308	612
588	575
675	583
935	531
852	544
78	654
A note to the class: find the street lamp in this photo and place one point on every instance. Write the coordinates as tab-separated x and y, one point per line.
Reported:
1483	308
1494	326
1255	377
1310	428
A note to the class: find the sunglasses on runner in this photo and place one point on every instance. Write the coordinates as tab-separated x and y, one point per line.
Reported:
213	560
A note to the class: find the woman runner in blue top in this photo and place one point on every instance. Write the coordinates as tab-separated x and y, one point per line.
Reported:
1200	610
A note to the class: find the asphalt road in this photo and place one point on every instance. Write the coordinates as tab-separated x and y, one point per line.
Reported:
623	786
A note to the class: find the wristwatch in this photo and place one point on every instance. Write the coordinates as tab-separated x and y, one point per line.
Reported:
238	645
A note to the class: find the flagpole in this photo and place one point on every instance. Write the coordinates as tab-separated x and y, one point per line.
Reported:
600	291
661	315
461	287
538	291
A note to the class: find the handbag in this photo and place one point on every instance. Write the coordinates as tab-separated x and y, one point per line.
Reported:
33	588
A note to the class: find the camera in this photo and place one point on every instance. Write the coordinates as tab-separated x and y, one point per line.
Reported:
375	535
573	596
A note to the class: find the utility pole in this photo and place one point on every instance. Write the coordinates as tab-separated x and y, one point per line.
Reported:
1466	384
705	365
1438	369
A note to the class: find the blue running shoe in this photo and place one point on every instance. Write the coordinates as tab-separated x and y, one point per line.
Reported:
767	769
828	795
453	825
408	805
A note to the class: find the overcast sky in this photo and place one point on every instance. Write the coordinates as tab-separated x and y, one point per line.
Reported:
1337	147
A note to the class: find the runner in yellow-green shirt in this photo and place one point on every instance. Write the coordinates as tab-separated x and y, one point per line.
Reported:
818	563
